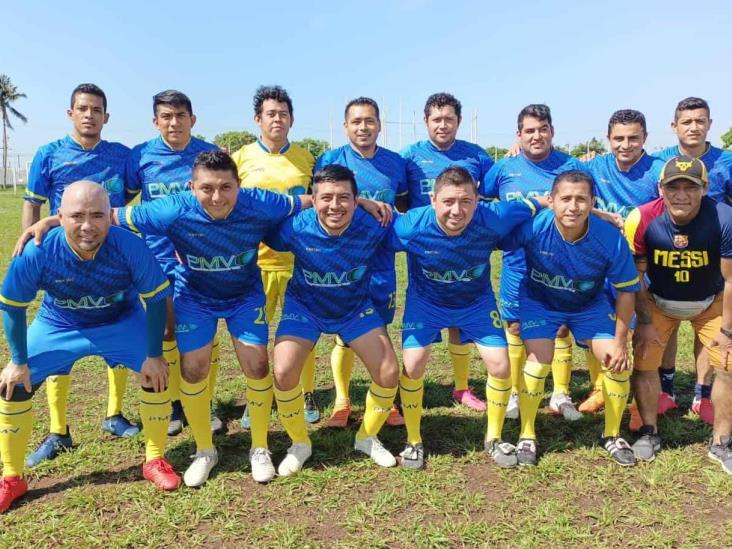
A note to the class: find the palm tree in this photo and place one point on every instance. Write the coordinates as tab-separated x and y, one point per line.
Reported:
8	94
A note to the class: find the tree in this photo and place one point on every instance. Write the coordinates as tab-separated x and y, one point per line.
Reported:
8	94
496	152
727	140
233	141
315	146
199	136
593	144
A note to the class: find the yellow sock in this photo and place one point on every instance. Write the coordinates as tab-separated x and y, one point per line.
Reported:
172	357
57	391
155	415
117	382
16	424
615	389
341	362
411	392
378	404
290	405
196	401
460	358
517	357
596	373
213	373
259	402
307	377
497	393
532	391
562	364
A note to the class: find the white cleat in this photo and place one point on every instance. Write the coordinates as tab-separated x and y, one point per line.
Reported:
261	462
373	448
198	471
512	410
561	404
297	455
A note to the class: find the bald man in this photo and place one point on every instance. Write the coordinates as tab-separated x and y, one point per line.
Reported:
93	276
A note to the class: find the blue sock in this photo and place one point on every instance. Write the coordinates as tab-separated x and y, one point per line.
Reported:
667	380
702	391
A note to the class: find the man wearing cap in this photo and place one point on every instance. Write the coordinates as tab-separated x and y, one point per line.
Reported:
682	244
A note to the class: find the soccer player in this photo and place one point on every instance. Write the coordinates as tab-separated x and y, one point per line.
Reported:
380	175
161	167
425	161
569	254
93	277
275	164
334	247
529	174
448	247
682	244
82	154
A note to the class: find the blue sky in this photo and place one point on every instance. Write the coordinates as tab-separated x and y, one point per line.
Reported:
583	59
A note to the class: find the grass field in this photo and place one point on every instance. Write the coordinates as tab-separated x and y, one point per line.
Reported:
94	495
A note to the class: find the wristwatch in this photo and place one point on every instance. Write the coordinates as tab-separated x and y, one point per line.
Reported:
726	332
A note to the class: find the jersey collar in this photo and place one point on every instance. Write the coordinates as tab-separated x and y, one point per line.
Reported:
170	147
262	146
73	251
581	238
75	142
358	153
438	149
641	157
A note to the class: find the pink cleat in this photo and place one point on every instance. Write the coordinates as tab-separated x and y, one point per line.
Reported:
467	398
704	409
665	403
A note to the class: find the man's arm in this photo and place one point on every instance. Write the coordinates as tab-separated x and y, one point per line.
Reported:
646	332
624	306
722	339
31	214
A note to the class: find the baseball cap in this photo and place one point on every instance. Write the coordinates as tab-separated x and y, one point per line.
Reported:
684	167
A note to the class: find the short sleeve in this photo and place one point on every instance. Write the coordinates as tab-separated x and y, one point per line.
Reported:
623	274
133	182
518	237
38	187
275	206
725	247
278	237
512	214
147	276
490	182
150	218
634	233
22	280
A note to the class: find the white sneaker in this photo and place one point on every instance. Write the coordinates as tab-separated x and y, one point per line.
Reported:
261	462
373	448
562	405
512	410
197	473
297	455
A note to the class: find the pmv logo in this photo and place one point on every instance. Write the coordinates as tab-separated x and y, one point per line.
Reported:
159	189
426	186
520	195
219	263
454	275
332	279
559	282
409	326
382	195
89	301
114	185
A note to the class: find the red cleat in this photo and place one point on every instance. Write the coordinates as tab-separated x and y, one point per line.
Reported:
339	417
11	488
161	474
704	409
394	419
665	403
636	422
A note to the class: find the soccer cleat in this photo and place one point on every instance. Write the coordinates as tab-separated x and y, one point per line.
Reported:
395	418
467	398
340	414
161	474
312	414
119	426
199	470
217	426
412	457
665	403
177	419
503	453
619	450
721	453
11	488
297	455
647	445
561	405
512	410
49	448
372	447
261	461
636	421
246	422
526	452
593	404
703	408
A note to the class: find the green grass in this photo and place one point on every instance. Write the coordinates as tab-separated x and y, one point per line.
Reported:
94	495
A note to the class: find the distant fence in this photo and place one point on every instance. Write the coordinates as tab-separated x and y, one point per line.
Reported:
14	177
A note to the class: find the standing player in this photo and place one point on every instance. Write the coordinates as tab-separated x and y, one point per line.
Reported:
425	161
380	175
569	254
275	164
161	167
82	154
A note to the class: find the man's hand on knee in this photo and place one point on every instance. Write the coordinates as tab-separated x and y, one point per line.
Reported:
12	375
154	373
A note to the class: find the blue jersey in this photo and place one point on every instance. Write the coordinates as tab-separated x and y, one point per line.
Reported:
84	293
60	163
331	273
158	170
570	276
218	256
455	271
425	162
719	169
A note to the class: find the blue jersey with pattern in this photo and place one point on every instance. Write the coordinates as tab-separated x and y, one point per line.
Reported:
719	169
332	272
83	293
218	256
425	162
570	276
455	271
60	163
158	170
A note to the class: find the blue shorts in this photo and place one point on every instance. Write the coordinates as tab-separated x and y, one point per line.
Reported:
382	290
508	296
298	321
539	322
195	324
479	323
53	350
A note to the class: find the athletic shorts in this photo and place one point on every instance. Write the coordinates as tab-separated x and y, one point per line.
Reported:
53	350
508	296
597	321
298	321
275	285
195	324
382	290
479	323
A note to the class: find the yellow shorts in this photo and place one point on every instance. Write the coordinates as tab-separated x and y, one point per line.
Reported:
275	284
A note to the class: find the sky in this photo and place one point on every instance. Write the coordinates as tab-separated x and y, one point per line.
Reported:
584	59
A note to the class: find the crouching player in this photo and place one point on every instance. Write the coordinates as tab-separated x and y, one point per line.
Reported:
448	247
569	255
334	246
93	276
